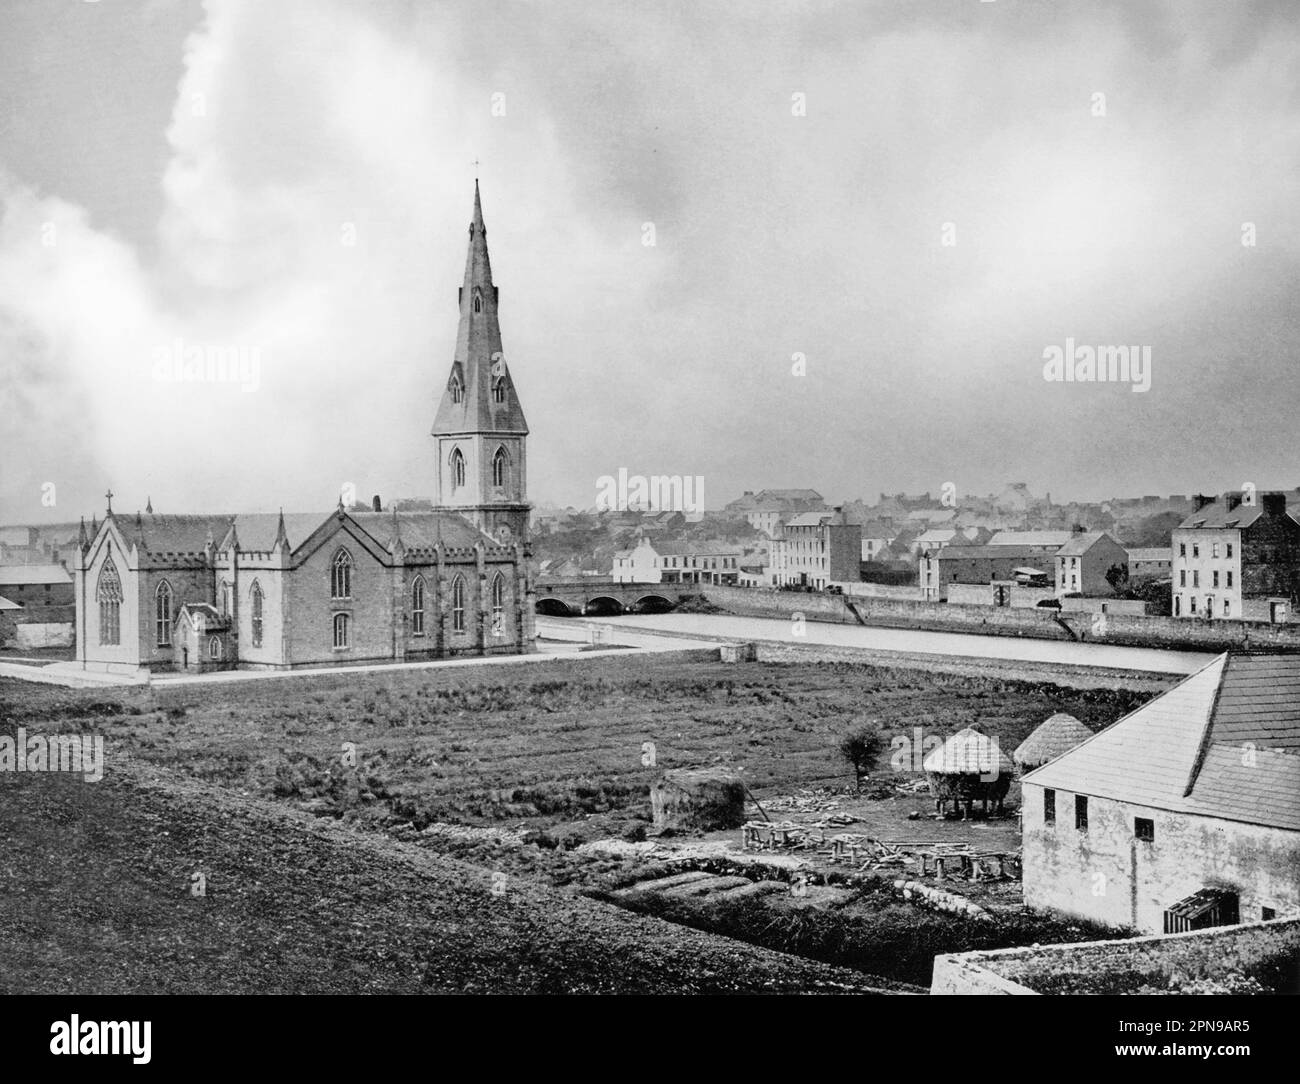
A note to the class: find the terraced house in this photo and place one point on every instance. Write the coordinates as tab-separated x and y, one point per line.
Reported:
1237	557
157	592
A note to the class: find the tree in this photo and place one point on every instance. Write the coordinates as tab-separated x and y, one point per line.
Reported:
862	747
1117	577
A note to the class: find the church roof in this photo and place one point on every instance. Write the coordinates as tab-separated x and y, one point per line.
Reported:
479	361
422	530
257	531
171	533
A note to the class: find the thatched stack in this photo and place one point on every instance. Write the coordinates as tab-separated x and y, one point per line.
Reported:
968	767
704	799
1058	735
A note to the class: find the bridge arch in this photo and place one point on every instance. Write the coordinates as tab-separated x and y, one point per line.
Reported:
652	604
602	606
553	607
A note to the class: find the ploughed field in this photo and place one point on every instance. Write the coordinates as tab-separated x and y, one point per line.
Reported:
319	808
559	747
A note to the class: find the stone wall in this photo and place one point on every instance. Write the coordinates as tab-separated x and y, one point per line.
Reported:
1197	955
1047	624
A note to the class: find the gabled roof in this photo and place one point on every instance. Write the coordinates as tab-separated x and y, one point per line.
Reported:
1223	743
1081	542
173	534
213	619
1157	553
1001	553
257	530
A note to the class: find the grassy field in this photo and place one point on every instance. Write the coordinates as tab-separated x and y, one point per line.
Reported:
555	750
559	744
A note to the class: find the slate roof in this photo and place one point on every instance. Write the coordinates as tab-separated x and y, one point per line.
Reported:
1030	538
1080	543
33	574
421	530
809	519
257	530
1159	553
173	534
1223	743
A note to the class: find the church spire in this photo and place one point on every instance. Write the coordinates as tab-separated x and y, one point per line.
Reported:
479	396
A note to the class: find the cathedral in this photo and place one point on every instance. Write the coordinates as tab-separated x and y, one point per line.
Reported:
208	592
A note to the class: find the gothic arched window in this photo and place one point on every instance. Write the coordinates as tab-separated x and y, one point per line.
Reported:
256	595
457	389
498	605
499	464
341	575
457	469
417	606
342	631
162	614
499	390
108	593
458	604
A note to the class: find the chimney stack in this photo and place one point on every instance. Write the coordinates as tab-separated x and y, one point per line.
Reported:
1274	504
1200	501
1232	500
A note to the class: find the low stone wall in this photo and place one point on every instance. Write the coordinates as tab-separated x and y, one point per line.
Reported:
1126	630
880	590
1202	954
1131	607
32	635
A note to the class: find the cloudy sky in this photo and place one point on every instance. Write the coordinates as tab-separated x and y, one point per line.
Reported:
290	182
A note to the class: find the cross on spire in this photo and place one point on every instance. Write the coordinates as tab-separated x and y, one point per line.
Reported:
108	496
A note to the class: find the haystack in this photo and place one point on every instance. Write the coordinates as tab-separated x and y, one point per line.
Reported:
704	799
969	767
1058	735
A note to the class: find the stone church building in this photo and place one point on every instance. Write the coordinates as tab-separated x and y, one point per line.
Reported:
258	591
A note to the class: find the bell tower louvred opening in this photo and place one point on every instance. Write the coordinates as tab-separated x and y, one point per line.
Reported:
479	429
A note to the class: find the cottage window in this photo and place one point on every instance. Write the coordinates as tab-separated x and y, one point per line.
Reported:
1215	577
1229	549
417	606
341	575
342	631
1229	577
1081	812
1214	549
1144	829
108	593
1196	549
1267	913
256	596
1182	549
1227	607
1182	577
1049	807
1191	604
1196	577
458	604
163	614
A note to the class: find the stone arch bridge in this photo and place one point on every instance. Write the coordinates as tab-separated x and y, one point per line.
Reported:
601	598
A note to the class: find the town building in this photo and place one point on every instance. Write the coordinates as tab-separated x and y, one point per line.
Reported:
36	585
699	563
1150	563
768	509
1084	561
817	549
640	564
1237	557
988	565
1182	814
272	591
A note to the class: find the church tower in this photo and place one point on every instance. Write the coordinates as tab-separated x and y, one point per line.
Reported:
479	431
